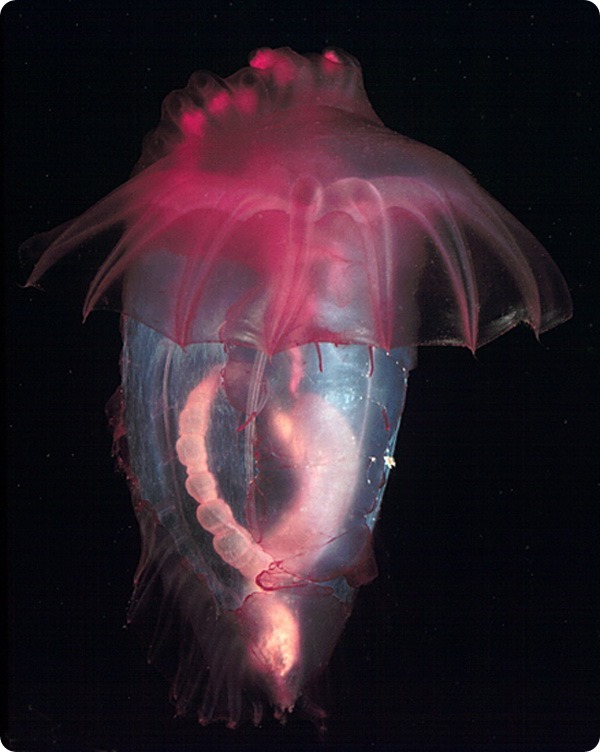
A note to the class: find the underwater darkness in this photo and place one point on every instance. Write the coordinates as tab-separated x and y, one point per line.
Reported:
480	632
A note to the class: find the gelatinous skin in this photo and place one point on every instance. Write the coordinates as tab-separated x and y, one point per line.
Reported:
274	208
277	255
265	476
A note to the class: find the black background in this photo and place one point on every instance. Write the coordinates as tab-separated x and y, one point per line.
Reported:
481	631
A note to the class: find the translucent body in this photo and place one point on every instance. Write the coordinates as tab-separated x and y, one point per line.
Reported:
277	255
270	497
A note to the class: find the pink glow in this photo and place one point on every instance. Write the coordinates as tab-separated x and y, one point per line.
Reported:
192	123
219	103
283	211
333	56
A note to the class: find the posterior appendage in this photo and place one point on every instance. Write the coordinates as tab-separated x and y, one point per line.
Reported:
307	434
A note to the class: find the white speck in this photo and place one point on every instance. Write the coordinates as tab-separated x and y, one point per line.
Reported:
389	461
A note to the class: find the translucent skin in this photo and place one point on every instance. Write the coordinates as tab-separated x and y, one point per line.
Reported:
274	208
277	255
257	482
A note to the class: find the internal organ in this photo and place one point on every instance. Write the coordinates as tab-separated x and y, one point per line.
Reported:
315	442
266	474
